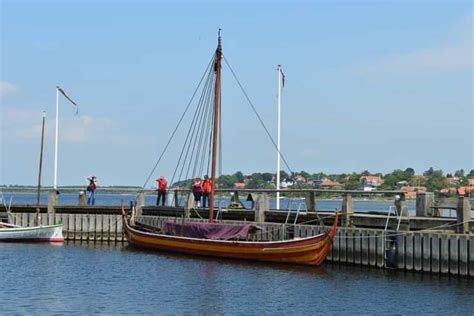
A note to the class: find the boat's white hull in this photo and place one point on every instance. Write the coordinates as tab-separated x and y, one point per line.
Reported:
47	233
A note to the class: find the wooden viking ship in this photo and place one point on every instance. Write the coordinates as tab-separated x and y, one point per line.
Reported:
219	239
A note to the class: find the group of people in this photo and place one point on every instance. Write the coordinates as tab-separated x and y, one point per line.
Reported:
201	191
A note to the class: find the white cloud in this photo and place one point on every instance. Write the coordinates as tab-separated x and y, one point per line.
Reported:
21	124
421	61
7	88
83	129
453	54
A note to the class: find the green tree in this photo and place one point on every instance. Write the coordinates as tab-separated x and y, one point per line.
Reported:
391	179
318	176
459	173
267	176
305	174
239	176
428	172
436	181
410	171
284	175
352	182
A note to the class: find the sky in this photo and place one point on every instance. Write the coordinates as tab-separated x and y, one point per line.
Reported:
370	85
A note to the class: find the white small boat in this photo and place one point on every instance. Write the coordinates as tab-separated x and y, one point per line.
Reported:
46	233
42	233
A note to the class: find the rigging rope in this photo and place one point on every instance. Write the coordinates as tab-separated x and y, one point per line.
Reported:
205	122
208	80
178	124
193	139
256	113
201	153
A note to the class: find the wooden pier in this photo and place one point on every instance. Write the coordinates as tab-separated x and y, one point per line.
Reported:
421	243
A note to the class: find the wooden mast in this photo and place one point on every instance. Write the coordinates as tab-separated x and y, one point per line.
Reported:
215	139
37	215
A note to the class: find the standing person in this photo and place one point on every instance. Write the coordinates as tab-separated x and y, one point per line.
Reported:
162	185
197	191
91	190
206	191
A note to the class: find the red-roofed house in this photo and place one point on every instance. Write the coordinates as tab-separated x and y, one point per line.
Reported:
465	191
239	185
300	179
329	183
410	192
453	180
374	181
370	183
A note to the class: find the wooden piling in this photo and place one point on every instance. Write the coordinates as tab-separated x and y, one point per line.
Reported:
347	210
343	245
463	255
372	248
453	255
358	246
409	252
424	204
435	253
52	200
401	253
418	254
444	253
364	248
262	205
471	256
379	241
463	214
350	246
335	248
310	200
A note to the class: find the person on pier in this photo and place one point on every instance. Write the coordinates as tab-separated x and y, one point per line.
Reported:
91	190
197	191
162	186
206	191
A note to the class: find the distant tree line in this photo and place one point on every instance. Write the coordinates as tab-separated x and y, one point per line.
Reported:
433	180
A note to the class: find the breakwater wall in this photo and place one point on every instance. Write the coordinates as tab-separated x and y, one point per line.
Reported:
91	227
437	252
433	251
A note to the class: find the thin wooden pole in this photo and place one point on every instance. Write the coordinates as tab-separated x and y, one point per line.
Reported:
37	217
215	139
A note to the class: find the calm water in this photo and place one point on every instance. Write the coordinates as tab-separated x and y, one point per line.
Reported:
115	199
113	279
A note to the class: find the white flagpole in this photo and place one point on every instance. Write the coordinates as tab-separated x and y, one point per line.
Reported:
55	184
278	139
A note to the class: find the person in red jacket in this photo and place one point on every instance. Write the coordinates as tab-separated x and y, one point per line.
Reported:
206	191
162	185
197	191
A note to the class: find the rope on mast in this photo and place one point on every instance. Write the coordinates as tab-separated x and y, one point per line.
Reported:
177	125
196	129
256	113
